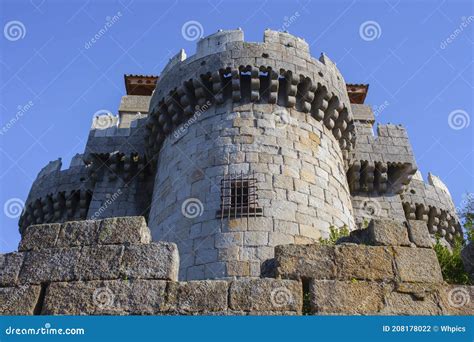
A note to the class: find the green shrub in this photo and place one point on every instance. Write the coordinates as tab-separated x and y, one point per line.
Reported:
451	264
334	235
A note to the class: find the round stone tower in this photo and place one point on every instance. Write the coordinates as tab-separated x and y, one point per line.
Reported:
250	142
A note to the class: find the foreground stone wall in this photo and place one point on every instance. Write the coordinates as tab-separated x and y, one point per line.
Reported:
111	267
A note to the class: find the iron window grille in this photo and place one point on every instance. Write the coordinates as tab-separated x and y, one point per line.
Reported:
239	196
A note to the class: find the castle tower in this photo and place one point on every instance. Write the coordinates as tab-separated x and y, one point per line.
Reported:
252	143
240	148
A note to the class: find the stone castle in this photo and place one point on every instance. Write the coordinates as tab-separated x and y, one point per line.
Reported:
235	162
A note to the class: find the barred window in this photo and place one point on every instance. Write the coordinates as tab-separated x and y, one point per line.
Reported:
239	196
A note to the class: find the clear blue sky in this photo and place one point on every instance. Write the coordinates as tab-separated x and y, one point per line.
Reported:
417	75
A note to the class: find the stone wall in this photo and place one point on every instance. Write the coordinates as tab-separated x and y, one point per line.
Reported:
110	267
302	188
386	269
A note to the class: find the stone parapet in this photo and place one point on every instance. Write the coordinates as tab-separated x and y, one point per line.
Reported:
225	68
382	163
376	276
431	202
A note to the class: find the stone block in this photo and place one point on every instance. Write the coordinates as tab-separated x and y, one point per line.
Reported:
419	234
99	262
158	260
199	295
266	295
19	300
417	265
255	238
386	232
10	265
305	261
124	230
407	304
238	268
363	262
39	236
78	233
49	265
346	297
112	297
226	240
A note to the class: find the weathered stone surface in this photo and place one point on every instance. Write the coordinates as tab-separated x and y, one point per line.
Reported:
457	299
123	230
20	300
199	296
115	297
358	236
397	303
10	265
346	297
39	236
419	234
50	265
387	232
99	262
467	256
363	262
418	290
78	233
154	261
305	261
417	265
266	295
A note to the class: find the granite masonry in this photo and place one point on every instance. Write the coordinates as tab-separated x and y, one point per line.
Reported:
111	267
241	157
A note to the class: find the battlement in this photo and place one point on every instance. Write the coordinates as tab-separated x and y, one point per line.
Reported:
432	203
225	68
382	162
58	195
